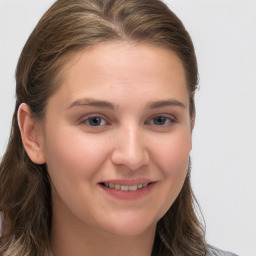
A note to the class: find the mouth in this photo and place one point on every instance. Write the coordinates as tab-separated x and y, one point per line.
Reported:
134	187
128	189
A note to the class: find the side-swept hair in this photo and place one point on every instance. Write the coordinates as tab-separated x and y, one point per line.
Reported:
66	28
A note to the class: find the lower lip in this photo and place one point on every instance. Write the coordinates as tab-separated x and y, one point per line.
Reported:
128	195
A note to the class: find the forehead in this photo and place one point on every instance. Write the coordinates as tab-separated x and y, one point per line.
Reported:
122	70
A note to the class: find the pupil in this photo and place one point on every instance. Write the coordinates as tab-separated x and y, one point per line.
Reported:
160	120
95	121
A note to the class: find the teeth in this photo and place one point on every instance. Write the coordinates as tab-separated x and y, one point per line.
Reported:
133	188
125	187
111	185
117	186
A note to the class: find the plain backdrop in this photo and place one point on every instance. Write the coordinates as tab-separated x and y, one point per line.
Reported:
224	139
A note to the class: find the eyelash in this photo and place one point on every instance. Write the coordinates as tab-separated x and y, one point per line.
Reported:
165	116
86	119
168	120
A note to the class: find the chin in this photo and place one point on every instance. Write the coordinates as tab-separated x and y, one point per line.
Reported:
131	231
130	227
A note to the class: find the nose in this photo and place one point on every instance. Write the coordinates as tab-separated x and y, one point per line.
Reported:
130	149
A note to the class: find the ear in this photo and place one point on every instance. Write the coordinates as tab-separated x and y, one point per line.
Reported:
31	135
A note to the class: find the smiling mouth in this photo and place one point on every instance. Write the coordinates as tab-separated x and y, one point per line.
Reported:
125	187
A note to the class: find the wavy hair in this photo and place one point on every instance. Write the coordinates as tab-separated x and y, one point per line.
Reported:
66	28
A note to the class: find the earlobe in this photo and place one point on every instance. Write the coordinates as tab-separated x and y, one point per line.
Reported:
30	135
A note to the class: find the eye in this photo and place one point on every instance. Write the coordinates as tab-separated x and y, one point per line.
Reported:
161	120
95	121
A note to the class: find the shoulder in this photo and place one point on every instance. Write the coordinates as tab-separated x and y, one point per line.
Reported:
213	251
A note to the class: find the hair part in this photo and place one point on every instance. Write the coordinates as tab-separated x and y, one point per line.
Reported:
68	27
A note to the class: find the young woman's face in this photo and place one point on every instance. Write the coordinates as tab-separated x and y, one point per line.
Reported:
117	137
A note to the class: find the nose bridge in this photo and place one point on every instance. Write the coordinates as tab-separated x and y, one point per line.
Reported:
130	148
133	143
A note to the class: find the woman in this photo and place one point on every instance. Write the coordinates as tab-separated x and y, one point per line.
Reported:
98	158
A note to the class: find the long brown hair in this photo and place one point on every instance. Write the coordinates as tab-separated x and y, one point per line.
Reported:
67	27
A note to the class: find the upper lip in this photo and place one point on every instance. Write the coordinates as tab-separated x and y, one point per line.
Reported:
129	182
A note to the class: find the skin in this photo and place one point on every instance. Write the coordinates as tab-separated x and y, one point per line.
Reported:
128	143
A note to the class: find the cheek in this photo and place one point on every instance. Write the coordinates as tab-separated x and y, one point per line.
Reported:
70	156
172	159
173	154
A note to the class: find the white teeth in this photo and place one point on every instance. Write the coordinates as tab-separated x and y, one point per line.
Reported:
117	186
111	185
125	187
133	188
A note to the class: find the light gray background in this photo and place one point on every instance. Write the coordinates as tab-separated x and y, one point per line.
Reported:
224	139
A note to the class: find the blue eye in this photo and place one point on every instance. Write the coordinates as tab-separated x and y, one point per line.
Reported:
161	120
95	121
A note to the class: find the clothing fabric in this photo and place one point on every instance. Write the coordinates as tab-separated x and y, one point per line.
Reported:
213	251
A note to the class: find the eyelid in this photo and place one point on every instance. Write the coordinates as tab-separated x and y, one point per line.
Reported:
84	118
172	118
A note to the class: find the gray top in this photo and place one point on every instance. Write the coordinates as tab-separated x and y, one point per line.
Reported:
213	251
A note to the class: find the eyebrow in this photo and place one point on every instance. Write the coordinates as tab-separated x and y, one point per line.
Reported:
166	103
109	105
94	103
